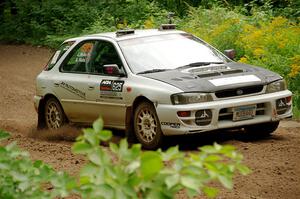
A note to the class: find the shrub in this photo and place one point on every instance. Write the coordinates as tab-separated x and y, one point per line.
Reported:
124	172
120	171
22	178
259	39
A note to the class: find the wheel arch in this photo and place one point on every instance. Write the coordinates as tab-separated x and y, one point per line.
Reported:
41	110
129	116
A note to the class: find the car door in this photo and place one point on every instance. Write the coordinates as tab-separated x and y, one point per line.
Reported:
73	82
107	99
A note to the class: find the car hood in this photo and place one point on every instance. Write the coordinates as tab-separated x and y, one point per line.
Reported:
215	77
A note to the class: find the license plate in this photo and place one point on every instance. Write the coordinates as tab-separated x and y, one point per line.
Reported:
244	113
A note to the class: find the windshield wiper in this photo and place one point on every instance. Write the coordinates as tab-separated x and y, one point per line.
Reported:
196	64
156	70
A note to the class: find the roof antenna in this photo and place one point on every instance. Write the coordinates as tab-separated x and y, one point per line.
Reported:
170	17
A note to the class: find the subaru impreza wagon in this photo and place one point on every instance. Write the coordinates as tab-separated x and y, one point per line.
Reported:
157	83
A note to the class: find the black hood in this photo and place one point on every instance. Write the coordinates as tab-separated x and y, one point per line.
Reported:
199	79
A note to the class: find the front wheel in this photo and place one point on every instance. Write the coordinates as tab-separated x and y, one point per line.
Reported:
147	127
54	115
263	129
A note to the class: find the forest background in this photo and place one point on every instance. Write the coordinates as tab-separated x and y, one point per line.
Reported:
263	32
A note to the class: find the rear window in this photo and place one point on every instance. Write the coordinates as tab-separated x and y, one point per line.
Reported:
57	55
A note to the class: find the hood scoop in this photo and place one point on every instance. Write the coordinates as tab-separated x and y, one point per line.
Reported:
215	71
209	78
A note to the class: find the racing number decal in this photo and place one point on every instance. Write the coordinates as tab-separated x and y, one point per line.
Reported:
117	86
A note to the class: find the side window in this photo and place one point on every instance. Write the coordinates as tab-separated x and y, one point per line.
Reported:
105	53
55	57
79	59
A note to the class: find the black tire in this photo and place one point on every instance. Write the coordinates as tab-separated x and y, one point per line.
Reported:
147	126
54	114
263	129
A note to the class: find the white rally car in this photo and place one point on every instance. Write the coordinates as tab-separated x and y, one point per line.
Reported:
156	83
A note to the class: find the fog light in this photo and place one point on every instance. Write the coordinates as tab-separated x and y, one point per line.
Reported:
203	117
184	113
281	106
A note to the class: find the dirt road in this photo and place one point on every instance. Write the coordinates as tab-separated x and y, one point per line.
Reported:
275	161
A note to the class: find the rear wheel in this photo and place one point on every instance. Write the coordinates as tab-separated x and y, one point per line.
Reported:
263	129
147	127
54	114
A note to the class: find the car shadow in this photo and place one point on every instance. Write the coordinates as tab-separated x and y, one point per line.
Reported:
185	142
194	141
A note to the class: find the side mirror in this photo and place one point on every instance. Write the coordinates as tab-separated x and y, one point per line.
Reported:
113	69
230	53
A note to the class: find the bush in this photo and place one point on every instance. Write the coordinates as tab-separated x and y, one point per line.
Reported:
124	172
259	39
22	178
120	171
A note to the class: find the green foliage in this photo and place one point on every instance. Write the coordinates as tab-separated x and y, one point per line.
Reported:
49	22
128	172
260	39
22	178
120	171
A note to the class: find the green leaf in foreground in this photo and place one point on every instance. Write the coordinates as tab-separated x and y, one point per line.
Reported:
172	180
244	170
4	135
226	181
210	192
105	135
81	148
98	125
151	164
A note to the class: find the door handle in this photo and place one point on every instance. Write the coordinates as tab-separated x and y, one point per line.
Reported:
91	87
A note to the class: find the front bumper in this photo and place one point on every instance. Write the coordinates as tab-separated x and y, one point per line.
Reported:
172	124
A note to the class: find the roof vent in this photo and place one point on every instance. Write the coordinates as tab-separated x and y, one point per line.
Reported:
167	27
124	32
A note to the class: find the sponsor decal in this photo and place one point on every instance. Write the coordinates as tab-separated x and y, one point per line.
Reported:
111	85
171	124
111	89
234	80
110	95
72	89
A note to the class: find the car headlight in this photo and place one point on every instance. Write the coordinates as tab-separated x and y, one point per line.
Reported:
190	98
279	85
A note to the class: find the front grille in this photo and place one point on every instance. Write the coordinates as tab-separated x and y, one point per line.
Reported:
227	113
239	91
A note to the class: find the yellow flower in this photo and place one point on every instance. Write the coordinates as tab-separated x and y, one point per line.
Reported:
243	60
296	59
149	23
258	52
295	70
295	67
279	21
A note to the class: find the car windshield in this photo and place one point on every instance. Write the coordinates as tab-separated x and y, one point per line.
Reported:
168	52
